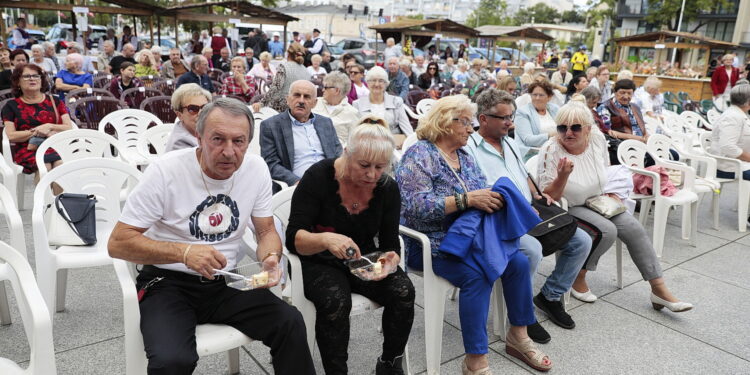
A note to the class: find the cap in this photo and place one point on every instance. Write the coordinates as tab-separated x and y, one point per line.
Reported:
276	34
295	33
583	47
316	31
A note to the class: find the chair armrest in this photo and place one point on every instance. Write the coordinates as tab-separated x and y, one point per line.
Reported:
424	241
411	113
298	293
283	184
710	163
688	180
14	222
135	360
642	171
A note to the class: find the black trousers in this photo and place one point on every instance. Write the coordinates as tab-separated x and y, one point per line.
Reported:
330	288
171	309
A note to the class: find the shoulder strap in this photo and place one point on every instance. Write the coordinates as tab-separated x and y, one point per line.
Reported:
524	168
57	114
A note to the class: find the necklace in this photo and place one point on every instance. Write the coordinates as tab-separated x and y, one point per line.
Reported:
29	100
455	160
211	219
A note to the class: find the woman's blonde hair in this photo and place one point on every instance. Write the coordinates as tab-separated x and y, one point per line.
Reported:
652	81
438	120
265	56
371	142
624	74
575	112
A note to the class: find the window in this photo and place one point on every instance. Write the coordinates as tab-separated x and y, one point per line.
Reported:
644	27
720	30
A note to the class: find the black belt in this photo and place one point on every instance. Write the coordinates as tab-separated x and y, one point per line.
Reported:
177	275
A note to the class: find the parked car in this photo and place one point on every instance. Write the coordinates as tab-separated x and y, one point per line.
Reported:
362	49
60	33
36	34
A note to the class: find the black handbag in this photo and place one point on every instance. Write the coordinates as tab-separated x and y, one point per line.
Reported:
612	145
557	226
72	220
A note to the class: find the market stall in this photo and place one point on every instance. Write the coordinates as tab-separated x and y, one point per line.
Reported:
652	54
520	35
417	33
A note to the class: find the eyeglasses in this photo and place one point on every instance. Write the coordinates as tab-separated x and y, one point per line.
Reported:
464	121
31	77
328	87
502	118
575	128
354	72
193	109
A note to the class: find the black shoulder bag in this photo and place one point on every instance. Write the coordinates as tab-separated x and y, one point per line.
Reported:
557	226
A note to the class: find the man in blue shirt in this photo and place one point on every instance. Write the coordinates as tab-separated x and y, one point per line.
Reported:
198	74
276	47
399	82
495	154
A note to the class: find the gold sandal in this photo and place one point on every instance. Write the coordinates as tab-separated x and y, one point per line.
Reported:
519	350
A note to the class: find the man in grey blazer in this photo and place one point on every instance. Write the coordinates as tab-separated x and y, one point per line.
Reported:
295	139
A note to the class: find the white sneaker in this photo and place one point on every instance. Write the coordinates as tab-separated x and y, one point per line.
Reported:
585	297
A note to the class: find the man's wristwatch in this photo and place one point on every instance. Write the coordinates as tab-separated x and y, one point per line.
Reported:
278	256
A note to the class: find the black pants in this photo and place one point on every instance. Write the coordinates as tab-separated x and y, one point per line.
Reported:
330	289
171	309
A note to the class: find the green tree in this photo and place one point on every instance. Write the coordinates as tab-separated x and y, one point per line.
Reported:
539	13
489	12
600	14
667	12
574	16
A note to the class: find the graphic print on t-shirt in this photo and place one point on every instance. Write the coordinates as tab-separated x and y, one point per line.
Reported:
214	219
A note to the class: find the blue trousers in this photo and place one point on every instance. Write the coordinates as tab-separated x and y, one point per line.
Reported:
571	260
723	174
474	297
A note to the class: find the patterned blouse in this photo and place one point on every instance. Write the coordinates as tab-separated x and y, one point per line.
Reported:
231	87
425	180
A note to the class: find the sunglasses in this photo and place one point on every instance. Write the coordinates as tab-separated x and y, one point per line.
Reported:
193	109
501	118
575	128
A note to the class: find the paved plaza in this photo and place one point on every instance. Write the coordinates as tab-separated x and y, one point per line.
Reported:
618	334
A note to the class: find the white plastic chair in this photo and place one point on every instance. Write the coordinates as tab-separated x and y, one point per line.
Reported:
263	114
209	338
17	241
129	124
658	146
743	190
13	177
424	106
104	178
157	137
281	206
34	313
631	154
410	140
411	113
77	144
694	120
713	115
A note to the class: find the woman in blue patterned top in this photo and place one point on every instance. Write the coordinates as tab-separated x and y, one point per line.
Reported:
438	180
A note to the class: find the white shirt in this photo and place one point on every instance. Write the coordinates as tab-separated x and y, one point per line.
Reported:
362	91
730	137
378	109
47	65
317	46
547	124
171	196
18	40
313	72
589	176
343	115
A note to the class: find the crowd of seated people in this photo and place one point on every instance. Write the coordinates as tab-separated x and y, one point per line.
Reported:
338	139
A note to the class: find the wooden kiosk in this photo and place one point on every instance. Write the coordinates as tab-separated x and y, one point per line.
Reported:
421	32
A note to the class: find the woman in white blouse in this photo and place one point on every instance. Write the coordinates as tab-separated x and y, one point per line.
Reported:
573	165
315	69
334	105
535	122
731	134
263	71
384	105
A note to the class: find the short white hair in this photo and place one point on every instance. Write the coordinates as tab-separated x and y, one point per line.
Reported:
529	67
37	47
376	72
108	43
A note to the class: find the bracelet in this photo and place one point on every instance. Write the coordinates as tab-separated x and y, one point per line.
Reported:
459	202
466	200
278	255
185	253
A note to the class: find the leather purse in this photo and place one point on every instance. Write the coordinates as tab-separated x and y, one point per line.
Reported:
606	206
71	220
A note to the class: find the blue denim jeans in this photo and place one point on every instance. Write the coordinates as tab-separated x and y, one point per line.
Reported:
568	264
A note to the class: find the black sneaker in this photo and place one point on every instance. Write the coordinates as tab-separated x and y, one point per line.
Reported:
390	367
555	311
537	333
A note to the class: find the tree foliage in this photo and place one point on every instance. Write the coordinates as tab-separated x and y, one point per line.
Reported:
539	13
574	16
667	12
489	12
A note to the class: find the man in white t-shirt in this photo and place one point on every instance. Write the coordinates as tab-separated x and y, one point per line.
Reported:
184	221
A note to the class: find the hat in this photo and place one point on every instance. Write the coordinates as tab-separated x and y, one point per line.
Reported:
316	31
583	47
295	33
276	34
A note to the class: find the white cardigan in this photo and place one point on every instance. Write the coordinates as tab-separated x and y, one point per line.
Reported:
344	117
730	136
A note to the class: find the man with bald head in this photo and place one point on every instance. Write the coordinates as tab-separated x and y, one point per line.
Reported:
198	74
295	139
128	54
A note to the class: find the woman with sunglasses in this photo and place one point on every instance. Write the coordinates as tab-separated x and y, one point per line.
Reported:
431	77
439	180
125	80
334	105
535	122
573	165
359	86
31	117
339	208
187	102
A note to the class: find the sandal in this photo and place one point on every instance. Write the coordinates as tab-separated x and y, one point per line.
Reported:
519	350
